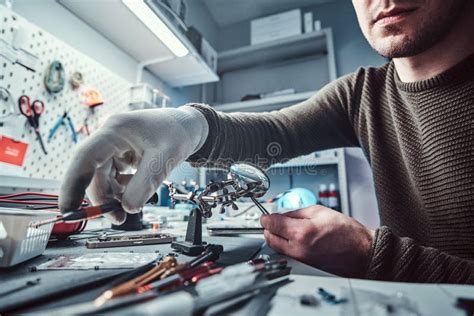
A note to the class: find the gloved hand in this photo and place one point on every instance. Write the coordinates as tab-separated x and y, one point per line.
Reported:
151	141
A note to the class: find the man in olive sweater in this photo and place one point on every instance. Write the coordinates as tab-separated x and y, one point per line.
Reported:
413	118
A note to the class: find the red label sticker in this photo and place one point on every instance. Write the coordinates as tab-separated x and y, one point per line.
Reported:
12	151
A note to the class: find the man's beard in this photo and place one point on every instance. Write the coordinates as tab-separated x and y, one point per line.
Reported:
429	32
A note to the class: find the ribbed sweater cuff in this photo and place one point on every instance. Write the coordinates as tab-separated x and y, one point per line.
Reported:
380	247
200	157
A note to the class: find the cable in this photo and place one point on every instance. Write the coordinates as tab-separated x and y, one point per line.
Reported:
55	77
28	202
28	193
34	199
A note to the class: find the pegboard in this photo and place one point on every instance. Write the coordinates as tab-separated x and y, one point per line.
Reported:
19	81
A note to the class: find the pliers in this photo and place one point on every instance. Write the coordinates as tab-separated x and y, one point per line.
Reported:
59	122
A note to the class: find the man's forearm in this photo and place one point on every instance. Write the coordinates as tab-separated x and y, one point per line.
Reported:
271	137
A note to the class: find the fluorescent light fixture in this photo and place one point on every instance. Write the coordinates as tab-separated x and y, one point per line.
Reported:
156	26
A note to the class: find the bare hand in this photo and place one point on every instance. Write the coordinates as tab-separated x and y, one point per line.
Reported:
322	238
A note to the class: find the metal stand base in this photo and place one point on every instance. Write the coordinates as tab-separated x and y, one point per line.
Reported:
193	244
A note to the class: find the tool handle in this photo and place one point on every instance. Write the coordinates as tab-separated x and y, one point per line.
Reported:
196	278
25	106
91	211
211	253
55	127
135	283
38	107
40	140
72	128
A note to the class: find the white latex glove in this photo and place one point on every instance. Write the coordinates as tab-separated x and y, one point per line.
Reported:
151	141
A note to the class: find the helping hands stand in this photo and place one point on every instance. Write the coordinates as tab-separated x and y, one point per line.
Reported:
193	244
245	181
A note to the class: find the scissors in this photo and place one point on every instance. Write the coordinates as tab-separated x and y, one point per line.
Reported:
32	111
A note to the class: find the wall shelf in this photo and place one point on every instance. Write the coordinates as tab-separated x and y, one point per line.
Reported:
266	104
133	37
279	50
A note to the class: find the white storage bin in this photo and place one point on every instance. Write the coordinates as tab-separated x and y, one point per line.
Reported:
143	96
19	240
274	27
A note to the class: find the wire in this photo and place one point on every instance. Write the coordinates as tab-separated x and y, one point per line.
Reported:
33	198
28	193
27	202
244	211
54	77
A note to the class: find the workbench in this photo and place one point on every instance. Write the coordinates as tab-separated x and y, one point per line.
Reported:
430	299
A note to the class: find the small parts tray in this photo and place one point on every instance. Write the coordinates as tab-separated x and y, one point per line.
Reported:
19	241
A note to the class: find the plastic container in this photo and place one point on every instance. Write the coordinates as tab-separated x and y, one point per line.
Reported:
18	240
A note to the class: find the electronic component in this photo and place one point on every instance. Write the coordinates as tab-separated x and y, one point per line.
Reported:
98	261
233	230
129	240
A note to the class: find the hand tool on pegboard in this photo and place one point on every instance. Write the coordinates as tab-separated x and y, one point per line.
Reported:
33	111
48	48
92	97
76	80
84	128
55	77
64	119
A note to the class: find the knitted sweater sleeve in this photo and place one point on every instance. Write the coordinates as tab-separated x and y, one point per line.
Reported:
319	123
402	259
324	121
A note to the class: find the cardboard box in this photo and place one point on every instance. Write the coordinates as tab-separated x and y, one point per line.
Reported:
274	27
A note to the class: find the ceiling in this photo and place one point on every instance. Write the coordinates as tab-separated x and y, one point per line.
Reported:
227	12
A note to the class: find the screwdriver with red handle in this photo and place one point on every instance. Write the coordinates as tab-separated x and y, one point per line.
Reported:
84	213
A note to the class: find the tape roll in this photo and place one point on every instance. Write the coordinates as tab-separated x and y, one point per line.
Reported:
76	80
